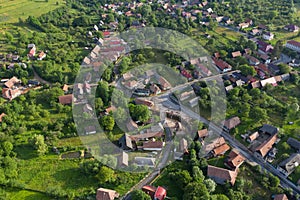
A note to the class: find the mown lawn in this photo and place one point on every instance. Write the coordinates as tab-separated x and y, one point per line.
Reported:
12	10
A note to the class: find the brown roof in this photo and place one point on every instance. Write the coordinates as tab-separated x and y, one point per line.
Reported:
144	102
220	173
106	194
1	116
144	136
65	87
221	149
232	122
235	159
164	83
215	143
11	82
183	145
253	136
294	43
280	197
110	109
153	144
131	125
236	54
266	146
202	133
65	99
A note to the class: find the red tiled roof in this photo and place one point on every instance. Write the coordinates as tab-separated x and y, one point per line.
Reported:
65	99
160	193
202	133
1	116
281	197
235	159
106	194
222	64
221	149
294	43
220	173
266	146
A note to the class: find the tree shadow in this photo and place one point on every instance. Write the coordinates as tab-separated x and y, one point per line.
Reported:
25	152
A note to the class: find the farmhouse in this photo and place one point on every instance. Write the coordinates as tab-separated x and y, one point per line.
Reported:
231	123
65	99
106	194
220	175
234	160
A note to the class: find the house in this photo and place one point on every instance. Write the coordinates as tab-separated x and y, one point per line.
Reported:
87	108
131	125
155	89
41	55
269	129
264	47
220	175
32	52
263	149
90	130
12	82
130	84
231	123
255	32
268	36
126	143
201	134
222	65
153	145
221	150
160	193
252	60
289	165
127	76
106	194
212	144
65	88
262	27
10	94
228	88
234	160
164	84
123	160
194	102
271	81
280	197
236	54
65	99
243	25
144	161
252	137
154	132
139	101
293	45
150	190
291	28
255	84
294	144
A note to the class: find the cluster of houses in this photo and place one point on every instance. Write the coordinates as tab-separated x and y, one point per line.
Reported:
216	147
32	53
13	87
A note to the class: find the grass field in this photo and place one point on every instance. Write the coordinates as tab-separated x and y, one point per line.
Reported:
14	194
12	10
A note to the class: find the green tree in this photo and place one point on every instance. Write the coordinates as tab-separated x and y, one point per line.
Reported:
139	112
284	68
195	191
39	144
107	122
139	195
247	70
106	175
7	148
210	185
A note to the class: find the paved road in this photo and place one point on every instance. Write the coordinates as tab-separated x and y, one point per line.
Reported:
244	151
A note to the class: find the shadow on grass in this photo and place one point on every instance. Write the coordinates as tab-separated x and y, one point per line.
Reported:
25	152
74	179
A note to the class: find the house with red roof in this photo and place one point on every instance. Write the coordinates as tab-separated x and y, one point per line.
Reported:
293	45
106	194
221	175
222	65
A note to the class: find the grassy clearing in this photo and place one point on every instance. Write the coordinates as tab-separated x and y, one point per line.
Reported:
12	10
43	173
25	194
